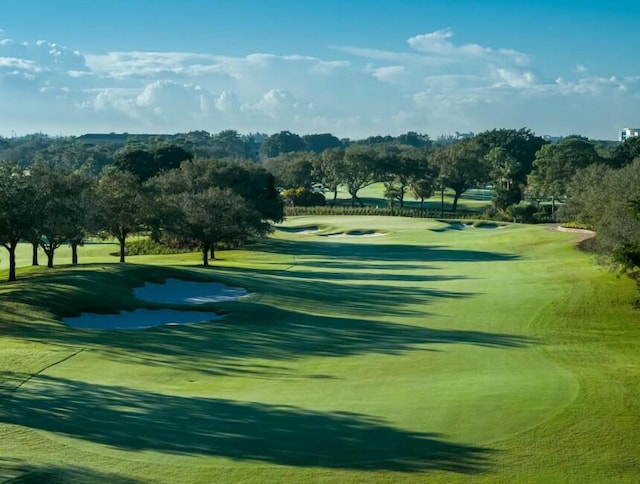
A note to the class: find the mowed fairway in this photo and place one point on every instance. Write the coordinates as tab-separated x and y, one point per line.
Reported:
418	352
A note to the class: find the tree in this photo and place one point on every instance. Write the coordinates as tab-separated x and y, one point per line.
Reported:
16	219
422	188
416	140
145	164
520	146
626	152
249	180
358	170
120	205
62	207
462	166
81	213
137	161
212	216
327	169
282	142
317	143
556	164
424	180
229	144
397	166
604	198
292	170
503	171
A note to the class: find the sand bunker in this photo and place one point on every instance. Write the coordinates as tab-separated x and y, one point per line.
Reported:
459	226
300	230
358	233
139	319
177	291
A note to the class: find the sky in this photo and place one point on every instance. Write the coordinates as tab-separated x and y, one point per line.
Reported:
348	67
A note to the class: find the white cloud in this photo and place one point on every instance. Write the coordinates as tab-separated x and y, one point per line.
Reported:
515	79
434	85
228	102
439	43
388	73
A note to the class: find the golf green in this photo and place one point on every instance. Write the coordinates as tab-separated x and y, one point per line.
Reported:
423	353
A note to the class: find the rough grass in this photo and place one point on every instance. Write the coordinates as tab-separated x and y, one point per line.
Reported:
426	355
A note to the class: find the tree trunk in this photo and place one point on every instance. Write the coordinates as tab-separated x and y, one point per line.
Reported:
50	253
442	201
74	253
34	253
457	195
205	255
122	239
422	204
12	260
212	252
335	197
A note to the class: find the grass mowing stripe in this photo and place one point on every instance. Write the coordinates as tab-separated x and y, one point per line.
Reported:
369	359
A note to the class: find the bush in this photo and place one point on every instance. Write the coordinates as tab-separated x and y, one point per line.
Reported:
146	246
384	211
303	197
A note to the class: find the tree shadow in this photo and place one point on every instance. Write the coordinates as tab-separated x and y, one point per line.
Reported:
133	420
20	472
346	293
345	265
358	250
258	331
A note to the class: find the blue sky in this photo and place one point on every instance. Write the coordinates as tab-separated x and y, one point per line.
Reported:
353	68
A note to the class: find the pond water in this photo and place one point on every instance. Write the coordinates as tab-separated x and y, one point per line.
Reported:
139	319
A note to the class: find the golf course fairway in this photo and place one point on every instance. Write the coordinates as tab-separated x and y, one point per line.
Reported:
430	352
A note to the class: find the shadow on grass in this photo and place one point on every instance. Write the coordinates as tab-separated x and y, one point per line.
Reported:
381	252
134	420
258	331
345	293
313	318
19	472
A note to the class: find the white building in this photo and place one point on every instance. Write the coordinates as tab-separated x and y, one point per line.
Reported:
629	133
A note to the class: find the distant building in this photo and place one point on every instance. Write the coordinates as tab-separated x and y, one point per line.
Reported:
459	135
629	133
551	138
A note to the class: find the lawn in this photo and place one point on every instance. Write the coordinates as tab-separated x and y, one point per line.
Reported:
474	200
431	352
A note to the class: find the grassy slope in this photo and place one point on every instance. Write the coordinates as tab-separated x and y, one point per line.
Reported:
487	354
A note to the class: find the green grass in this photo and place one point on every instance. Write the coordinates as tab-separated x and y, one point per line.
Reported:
474	200
424	355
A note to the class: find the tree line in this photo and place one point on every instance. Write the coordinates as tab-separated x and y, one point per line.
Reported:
197	201
176	185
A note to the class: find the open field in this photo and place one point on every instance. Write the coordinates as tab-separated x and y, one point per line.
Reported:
432	352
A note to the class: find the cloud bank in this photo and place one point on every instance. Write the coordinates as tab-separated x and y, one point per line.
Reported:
434	86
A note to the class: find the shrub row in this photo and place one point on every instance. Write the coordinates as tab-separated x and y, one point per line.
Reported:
385	211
